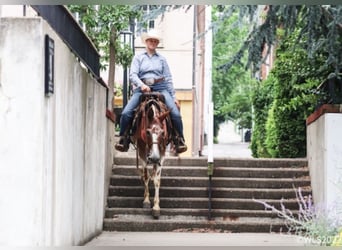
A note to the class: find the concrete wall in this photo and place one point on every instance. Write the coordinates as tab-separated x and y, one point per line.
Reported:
324	152
53	149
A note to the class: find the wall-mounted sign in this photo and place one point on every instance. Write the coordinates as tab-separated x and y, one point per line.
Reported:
49	65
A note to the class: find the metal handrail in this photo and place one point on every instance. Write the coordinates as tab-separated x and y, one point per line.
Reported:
64	24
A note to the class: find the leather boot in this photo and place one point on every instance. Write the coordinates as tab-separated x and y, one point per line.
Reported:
123	144
181	146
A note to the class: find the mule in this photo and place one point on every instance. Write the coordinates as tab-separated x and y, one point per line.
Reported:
151	137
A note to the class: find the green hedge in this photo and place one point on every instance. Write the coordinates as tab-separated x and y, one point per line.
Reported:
284	100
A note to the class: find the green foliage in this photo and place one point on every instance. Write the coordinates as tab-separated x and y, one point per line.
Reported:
231	90
103	24
320	24
298	75
295	76
124	55
272	135
262	99
238	108
118	89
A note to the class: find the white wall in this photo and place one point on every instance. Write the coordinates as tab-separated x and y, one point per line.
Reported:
324	152
53	149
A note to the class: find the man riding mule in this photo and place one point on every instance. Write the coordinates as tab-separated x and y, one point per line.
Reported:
150	73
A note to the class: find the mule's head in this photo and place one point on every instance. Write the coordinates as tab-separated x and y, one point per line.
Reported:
156	138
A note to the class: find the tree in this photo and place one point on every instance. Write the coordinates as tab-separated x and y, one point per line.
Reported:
287	99
103	23
322	25
231	90
309	48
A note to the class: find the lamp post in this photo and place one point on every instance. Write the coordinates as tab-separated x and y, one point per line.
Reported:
126	38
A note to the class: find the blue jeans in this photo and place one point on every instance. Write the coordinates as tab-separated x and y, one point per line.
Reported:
127	114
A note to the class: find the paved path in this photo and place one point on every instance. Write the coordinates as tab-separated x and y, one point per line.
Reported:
230	143
194	239
230	150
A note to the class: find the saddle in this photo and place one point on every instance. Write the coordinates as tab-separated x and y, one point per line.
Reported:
152	95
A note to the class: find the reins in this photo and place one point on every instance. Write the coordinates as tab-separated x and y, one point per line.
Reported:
142	119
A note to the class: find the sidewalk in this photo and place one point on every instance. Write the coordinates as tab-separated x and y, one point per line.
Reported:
194	239
230	150
229	144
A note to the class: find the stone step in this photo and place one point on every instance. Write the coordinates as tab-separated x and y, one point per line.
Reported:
220	162
144	223
202	171
217	192
231	213
184	195
227	182
200	203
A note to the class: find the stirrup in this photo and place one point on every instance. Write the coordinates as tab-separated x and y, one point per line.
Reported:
122	145
181	146
181	149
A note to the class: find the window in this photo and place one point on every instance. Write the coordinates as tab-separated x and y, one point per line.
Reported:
150	22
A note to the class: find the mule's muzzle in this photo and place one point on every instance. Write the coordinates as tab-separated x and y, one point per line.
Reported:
153	158
154	155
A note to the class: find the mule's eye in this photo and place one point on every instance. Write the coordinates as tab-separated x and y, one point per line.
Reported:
148	132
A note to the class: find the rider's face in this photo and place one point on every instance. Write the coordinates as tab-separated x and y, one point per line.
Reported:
152	43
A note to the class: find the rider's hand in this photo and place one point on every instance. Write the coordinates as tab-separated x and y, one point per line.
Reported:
144	88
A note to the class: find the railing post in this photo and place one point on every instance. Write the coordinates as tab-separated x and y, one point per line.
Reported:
210	152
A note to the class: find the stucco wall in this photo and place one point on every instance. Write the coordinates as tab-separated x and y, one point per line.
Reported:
53	149
324	152
176	29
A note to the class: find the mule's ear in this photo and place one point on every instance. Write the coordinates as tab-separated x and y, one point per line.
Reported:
163	115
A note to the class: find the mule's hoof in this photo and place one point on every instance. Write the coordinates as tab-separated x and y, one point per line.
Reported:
146	205
155	213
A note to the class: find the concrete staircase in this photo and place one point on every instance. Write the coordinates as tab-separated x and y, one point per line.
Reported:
184	195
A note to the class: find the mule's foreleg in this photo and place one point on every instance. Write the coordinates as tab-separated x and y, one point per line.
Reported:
156	180
146	180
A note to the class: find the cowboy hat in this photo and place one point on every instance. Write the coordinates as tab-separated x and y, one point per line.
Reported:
151	34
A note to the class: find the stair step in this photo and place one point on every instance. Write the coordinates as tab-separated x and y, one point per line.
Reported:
200	203
237	185
219	162
145	223
232	213
200	171
227	182
217	192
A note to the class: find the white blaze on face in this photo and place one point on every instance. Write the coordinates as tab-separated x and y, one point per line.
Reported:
154	153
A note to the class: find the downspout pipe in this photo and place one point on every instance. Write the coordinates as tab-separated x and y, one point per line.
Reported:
194	89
